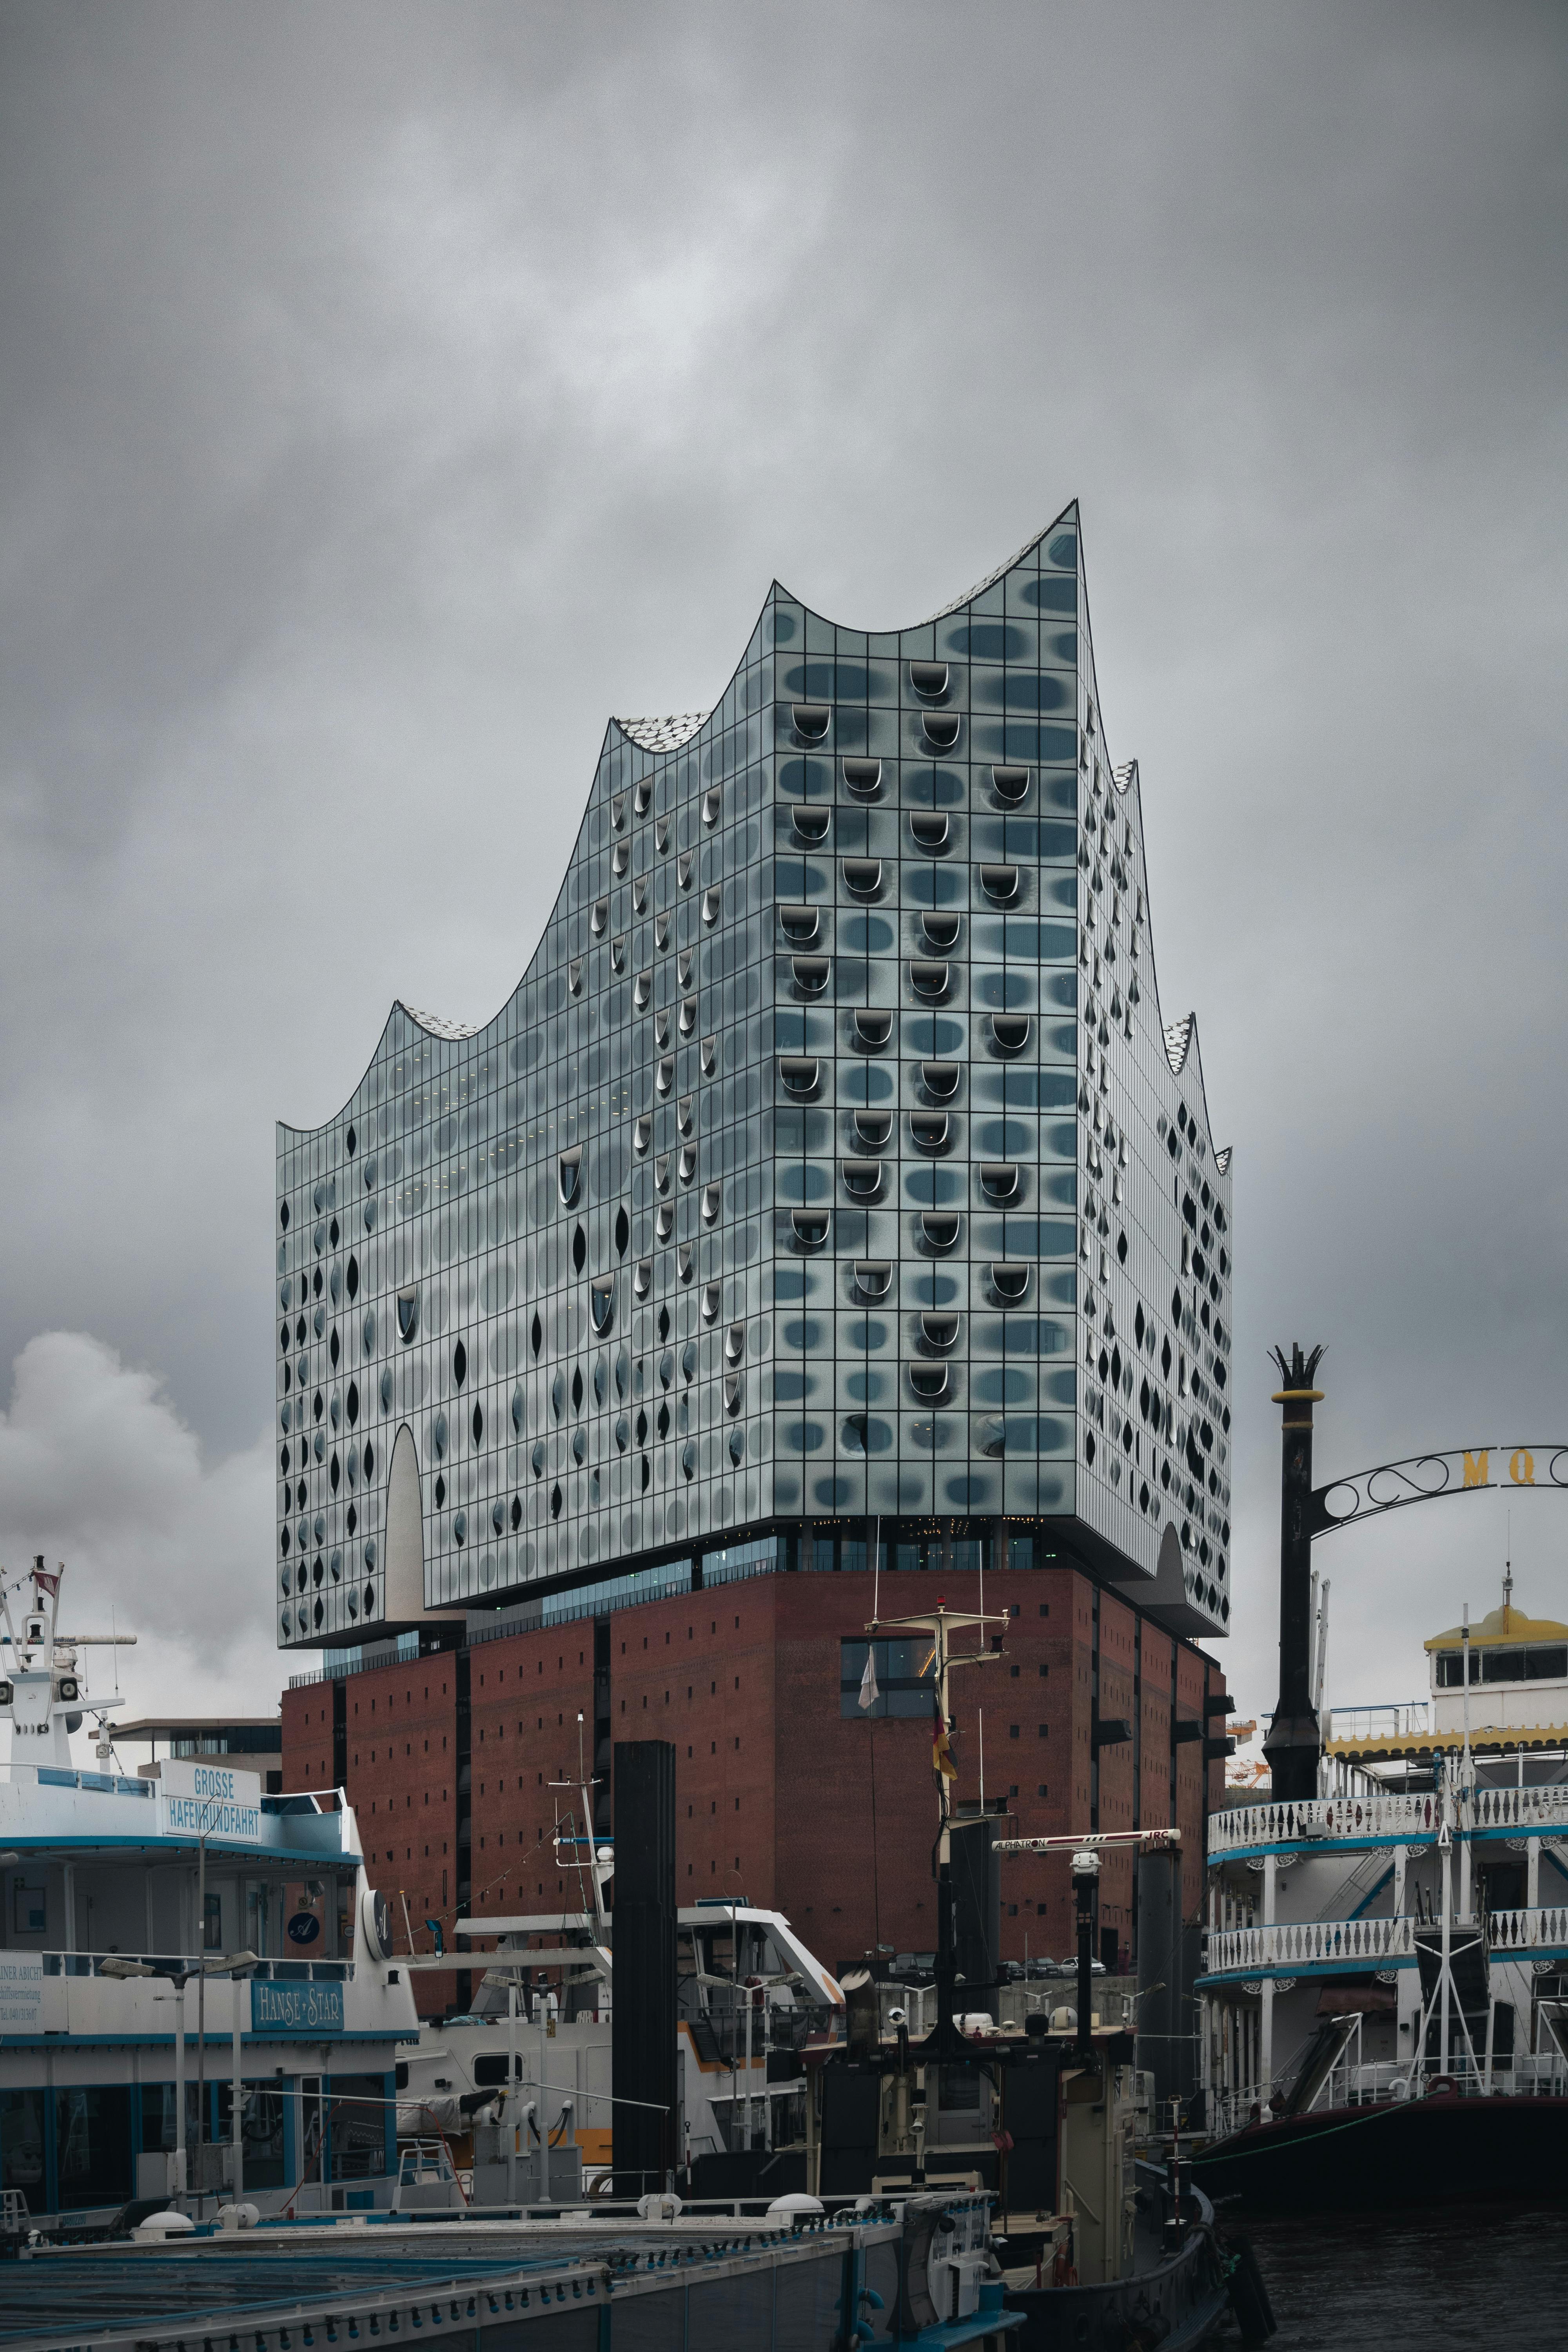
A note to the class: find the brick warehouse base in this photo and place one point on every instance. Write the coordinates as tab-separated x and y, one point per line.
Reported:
753	1683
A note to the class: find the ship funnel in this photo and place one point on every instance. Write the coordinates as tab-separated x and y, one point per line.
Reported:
1295	1745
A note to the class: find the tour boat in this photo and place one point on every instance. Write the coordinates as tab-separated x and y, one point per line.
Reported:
1383	2008
199	1999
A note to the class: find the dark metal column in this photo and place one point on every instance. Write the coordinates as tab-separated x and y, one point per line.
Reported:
1295	1742
643	2014
977	1912
1086	1888
1159	1963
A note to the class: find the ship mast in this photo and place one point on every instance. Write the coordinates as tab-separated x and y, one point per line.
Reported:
42	1691
942	1626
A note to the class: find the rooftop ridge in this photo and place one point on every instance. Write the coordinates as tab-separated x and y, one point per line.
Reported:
663	734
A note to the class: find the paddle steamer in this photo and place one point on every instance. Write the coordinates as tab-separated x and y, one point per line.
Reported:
1385	2000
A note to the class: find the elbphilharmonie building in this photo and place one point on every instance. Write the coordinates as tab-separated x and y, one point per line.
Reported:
832	1176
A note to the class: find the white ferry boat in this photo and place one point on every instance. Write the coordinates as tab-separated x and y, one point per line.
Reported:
1384	2009
199	1997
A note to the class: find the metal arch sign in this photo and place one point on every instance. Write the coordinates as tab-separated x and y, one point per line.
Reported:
1425	1478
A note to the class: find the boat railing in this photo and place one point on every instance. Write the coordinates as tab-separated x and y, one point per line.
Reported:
1358	2083
60	1776
1540	1930
299	1804
1525	2075
1324	1822
1299	1946
175	1964
1404	1718
1544	1808
1358	1819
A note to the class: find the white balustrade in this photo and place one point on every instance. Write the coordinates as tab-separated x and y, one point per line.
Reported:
1297	1947
1499	1811
1545	1929
1324	1820
1327	1821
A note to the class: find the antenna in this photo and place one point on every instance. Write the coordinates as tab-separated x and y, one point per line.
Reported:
1508	1574
1465	1646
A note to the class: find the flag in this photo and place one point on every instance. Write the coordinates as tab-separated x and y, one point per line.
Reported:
870	1694
46	1582
940	1748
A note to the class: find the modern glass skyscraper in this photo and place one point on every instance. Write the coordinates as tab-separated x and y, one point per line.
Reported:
832	1171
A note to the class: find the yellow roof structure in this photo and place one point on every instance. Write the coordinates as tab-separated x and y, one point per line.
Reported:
1486	1739
1500	1625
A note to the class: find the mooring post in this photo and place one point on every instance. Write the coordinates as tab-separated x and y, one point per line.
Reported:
1294	1744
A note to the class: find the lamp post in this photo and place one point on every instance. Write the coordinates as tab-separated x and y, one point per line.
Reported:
1294	1744
208	1816
1085	1887
239	1965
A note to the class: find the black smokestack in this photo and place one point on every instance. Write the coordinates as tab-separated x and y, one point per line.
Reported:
1295	1742
642	2021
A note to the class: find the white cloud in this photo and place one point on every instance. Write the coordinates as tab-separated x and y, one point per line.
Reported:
97	1470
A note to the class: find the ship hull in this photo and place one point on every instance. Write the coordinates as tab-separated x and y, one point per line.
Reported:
1182	2304
1412	2151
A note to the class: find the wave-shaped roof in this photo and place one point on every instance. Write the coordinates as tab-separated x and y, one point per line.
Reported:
670	732
438	1025
664	734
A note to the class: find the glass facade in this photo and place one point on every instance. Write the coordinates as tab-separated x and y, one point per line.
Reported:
832	1162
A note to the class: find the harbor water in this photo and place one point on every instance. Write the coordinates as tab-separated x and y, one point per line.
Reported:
1459	2275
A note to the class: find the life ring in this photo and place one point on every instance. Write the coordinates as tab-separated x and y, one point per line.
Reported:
1443	2086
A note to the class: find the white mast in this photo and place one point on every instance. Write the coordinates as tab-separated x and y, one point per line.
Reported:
40	1689
1467	1774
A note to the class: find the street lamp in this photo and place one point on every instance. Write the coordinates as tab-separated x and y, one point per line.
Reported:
237	1965
1085	1887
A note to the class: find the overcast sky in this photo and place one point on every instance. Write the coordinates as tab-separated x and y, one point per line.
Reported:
390	393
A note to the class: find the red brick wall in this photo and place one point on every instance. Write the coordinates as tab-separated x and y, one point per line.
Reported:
827	1882
1118	1673
773	1783
402	1779
524	1697
308	1739
699	1670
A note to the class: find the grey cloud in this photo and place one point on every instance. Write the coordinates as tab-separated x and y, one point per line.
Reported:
98	1469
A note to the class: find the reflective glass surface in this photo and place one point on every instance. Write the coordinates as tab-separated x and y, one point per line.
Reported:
833	1161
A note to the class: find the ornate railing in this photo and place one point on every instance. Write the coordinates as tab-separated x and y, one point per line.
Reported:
1325	1820
1517	1809
1302	1947
1545	1929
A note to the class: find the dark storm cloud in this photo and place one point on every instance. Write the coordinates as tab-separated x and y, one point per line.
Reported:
387	394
